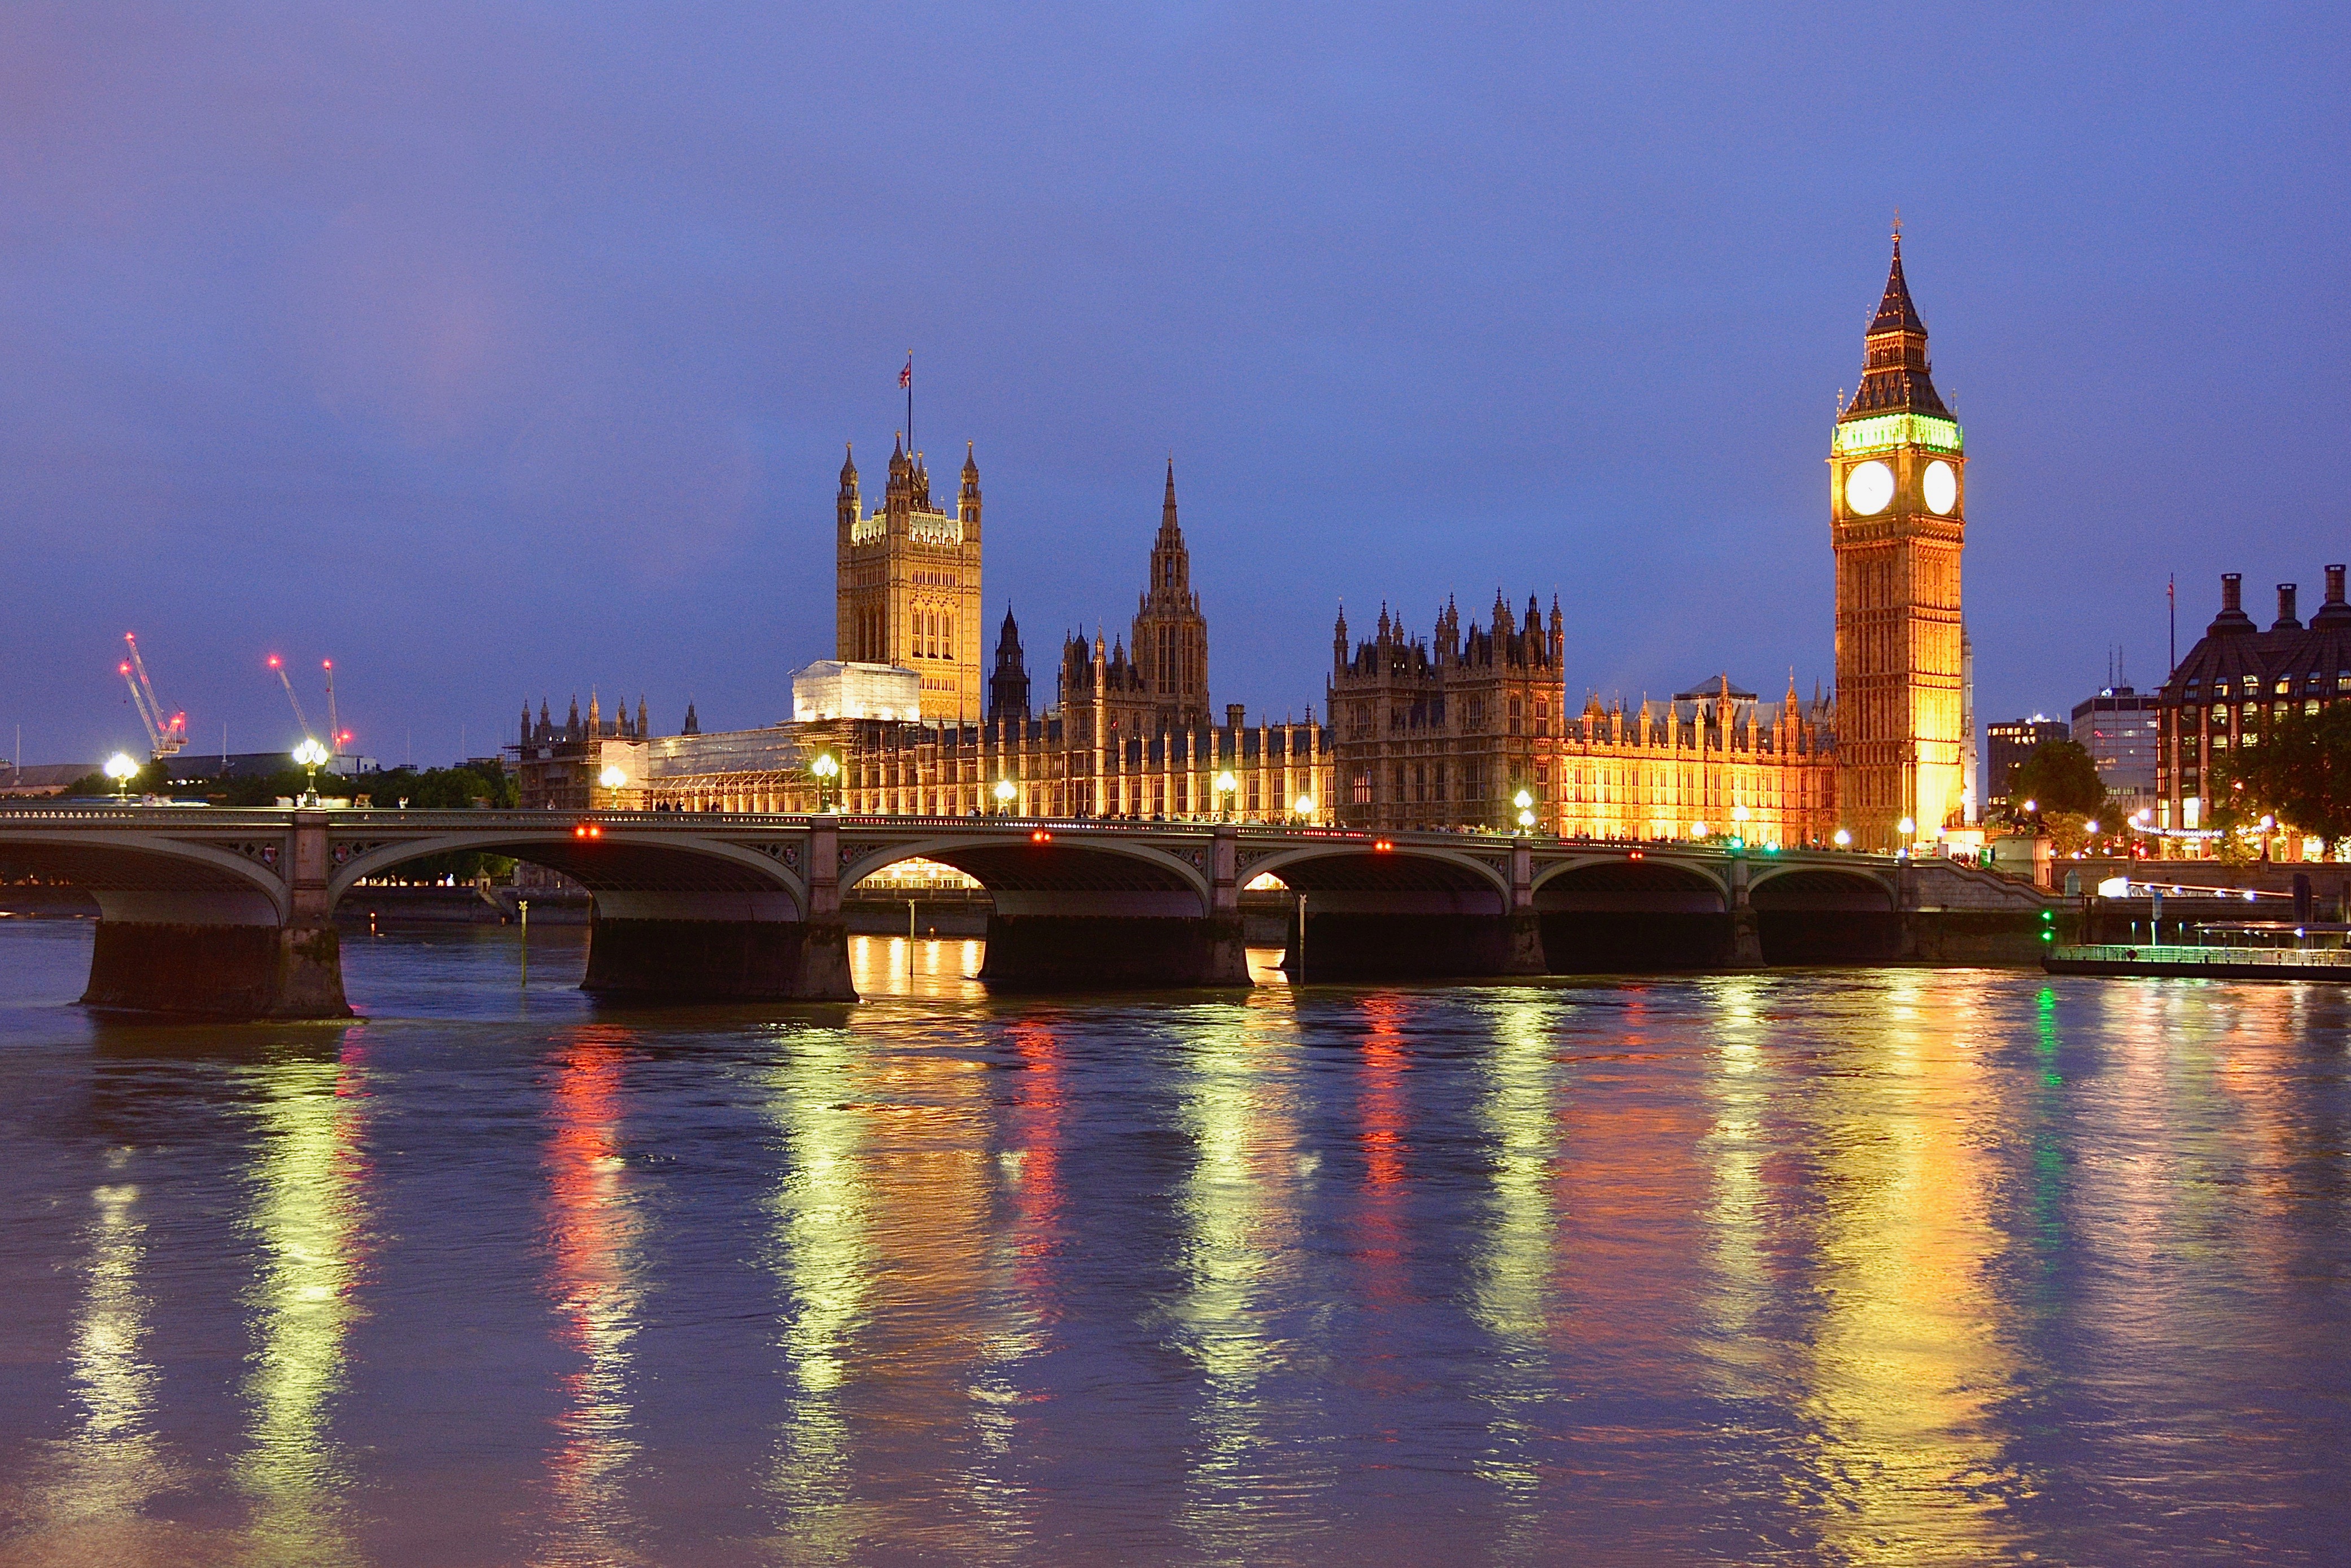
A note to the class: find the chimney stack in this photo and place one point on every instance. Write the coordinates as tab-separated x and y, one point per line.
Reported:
2335	584
2286	620
1233	713
2232	597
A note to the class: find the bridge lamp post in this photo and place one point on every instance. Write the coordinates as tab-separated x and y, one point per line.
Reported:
1739	814
612	778
1526	805
120	769
1908	830
1004	793
312	756
1841	839
1226	787
1304	806
1698	830
825	767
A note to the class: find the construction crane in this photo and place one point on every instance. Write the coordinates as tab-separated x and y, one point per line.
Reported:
278	665
335	736
165	736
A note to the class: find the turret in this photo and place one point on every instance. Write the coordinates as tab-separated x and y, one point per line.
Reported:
641	731
693	724
571	724
1008	688
526	721
849	508
968	501
1339	642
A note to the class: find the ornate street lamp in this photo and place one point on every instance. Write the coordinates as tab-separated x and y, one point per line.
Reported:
1004	793
826	767
1739	832
1226	787
1304	806
122	770
1841	839
1525	802
312	756
612	778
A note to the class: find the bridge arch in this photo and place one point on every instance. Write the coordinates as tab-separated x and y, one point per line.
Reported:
1820	888
633	875
1619	884
157	877
1415	879
1072	873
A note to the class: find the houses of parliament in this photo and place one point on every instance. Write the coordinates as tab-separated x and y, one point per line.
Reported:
1468	726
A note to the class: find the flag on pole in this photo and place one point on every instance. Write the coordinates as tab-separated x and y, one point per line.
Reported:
906	375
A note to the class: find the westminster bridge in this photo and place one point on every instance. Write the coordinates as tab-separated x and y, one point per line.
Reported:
231	912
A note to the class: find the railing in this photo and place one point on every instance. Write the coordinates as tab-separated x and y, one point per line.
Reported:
2201	957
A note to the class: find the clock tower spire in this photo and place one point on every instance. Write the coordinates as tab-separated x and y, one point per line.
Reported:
1897	523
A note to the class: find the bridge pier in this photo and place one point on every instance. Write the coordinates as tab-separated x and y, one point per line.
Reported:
1746	929
665	946
224	954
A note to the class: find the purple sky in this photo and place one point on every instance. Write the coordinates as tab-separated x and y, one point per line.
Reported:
506	350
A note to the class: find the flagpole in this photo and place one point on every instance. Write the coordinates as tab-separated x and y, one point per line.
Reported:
910	405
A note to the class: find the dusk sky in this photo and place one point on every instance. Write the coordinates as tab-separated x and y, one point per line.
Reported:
504	351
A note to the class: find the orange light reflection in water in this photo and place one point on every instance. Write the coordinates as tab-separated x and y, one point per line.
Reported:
593	1231
1380	1116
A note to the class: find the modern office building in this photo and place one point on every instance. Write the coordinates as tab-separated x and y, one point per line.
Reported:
2007	745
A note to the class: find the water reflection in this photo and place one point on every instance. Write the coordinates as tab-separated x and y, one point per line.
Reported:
1910	1359
892	1278
307	1221
594	1233
819	1256
111	1465
1249	1489
1512	1297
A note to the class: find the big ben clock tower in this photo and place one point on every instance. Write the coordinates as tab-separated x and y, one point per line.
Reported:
1898	510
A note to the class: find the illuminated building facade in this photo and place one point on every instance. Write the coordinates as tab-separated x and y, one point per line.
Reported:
907	584
1447	733
2235	679
1898	504
1715	756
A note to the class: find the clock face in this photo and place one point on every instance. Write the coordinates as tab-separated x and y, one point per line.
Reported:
1868	486
1942	488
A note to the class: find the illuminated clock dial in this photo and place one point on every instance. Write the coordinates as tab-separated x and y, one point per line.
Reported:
1942	488
1868	486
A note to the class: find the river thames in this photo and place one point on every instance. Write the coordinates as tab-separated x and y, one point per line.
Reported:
1825	1266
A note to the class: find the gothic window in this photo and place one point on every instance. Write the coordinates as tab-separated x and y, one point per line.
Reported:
948	641
1542	715
1437	780
1477	719
1419	782
1517	717
1360	788
1398	774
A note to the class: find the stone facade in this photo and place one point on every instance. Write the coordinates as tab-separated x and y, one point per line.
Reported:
1898	504
907	584
1444	732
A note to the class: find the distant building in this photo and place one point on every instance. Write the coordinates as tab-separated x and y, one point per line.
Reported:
42	779
2236	678
2118	728
2006	747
